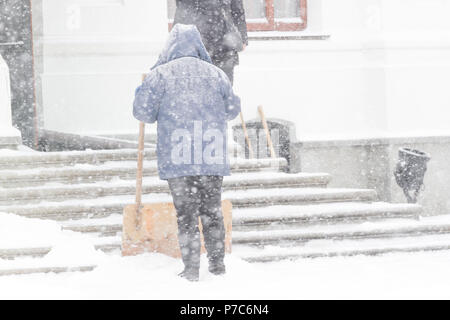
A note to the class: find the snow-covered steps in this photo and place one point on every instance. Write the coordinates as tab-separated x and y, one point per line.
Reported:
78	173
275	215
105	206
115	246
297	196
11	196
36	246
345	248
101	230
106	171
328	213
9	254
275	218
32	159
33	260
379	237
24	271
379	229
56	159
108	245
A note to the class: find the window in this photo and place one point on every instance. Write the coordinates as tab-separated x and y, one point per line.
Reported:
269	15
279	15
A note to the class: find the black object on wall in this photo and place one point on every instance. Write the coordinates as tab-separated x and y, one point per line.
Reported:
410	172
16	47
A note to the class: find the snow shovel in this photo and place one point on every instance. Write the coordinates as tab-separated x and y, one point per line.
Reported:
153	227
251	155
266	129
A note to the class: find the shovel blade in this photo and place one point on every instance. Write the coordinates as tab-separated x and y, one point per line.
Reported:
155	229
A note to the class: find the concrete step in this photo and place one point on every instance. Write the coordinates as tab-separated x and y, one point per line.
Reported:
106	206
149	137
13	196
289	233
34	260
274	217
47	269
345	248
277	217
314	249
295	196
369	230
69	158
106	171
33	159
401	235
101	229
107	244
382	237
79	173
10	254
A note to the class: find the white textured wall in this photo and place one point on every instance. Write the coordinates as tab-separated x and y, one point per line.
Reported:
418	65
94	52
385	71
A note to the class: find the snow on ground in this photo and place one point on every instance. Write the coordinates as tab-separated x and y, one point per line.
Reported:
19	232
153	276
68	248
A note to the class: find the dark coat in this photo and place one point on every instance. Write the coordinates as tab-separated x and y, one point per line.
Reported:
208	16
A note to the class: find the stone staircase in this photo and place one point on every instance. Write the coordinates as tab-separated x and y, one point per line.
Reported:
275	215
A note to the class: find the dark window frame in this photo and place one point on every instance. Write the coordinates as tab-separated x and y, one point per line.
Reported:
272	24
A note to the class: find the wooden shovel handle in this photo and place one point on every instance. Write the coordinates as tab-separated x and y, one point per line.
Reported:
140	162
140	165
247	138
266	129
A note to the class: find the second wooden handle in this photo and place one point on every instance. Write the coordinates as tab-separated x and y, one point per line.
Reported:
247	138
266	129
140	165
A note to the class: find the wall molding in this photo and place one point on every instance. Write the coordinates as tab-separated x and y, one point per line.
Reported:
57	46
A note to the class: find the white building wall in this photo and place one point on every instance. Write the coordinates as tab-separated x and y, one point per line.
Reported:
418	66
94	53
383	72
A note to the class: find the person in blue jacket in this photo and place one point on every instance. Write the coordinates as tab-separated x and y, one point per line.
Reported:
191	100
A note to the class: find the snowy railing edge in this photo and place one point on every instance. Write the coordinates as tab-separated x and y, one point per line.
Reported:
286	36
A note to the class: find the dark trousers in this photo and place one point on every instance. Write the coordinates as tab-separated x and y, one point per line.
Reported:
194	197
227	66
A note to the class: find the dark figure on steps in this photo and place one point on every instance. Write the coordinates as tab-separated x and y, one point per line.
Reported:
222	26
191	100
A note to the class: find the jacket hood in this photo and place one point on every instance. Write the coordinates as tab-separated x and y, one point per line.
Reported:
184	41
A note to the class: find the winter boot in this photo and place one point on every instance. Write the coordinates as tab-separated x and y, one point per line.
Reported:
190	274
217	268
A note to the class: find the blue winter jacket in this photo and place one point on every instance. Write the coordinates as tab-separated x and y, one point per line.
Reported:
191	100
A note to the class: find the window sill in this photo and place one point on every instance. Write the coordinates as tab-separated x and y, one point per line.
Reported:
285	35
